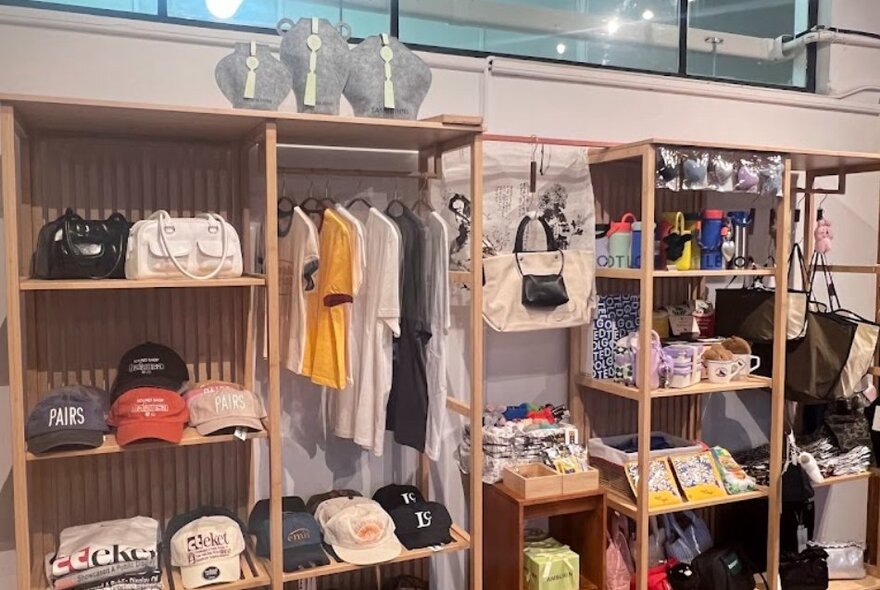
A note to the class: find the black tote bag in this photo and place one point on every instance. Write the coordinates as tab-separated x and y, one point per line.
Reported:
748	312
75	248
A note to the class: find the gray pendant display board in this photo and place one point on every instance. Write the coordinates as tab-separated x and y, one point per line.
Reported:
367	88
252	78
330	55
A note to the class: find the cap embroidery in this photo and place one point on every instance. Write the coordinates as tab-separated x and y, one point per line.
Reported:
425	519
69	416
299	535
368	531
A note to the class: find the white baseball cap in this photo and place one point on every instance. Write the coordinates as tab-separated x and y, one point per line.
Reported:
207	551
360	532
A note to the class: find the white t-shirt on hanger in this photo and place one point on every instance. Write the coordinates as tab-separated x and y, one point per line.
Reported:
344	400
437	263
298	265
375	329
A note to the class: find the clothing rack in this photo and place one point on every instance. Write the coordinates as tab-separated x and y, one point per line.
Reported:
284	170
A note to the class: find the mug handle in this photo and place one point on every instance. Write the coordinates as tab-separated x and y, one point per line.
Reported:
754	363
740	365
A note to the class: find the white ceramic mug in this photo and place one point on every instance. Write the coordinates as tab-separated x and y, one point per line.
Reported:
750	363
723	371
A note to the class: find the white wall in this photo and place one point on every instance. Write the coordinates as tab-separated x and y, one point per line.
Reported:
80	56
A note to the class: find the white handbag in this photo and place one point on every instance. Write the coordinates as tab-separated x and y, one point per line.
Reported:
508	277
201	247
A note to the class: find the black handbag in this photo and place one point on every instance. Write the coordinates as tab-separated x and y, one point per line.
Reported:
807	570
723	569
75	248
540	291
682	576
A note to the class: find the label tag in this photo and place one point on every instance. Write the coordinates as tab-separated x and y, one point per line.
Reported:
876	425
240	433
802	538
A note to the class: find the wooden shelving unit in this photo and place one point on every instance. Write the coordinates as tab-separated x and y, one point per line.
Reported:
98	157
623	180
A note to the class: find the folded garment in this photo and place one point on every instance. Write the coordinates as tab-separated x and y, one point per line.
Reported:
97	575
147	581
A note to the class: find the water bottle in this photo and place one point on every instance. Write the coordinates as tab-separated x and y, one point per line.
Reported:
741	221
620	241
711	225
635	258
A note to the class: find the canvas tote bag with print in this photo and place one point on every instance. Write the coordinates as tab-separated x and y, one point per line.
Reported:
515	285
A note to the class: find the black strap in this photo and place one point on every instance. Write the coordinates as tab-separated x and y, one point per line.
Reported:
285	213
833	298
521	230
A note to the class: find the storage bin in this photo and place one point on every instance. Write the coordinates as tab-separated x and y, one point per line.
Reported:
533	480
610	461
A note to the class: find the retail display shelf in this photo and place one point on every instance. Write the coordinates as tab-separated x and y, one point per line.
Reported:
632	274
628	507
28	284
869	582
702	387
254	574
585	584
190	438
836	479
461	541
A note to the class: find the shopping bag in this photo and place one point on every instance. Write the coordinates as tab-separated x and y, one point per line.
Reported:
616	317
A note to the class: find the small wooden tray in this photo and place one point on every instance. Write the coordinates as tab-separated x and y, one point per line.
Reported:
573	483
533	480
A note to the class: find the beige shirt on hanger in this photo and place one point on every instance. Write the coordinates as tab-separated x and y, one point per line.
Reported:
437	262
298	263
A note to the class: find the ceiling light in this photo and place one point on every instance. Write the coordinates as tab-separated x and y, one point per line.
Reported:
648	14
223	9
560	48
612	26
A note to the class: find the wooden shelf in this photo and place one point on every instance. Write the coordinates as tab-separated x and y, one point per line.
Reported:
702	387
836	479
627	506
869	582
634	274
254	574
627	274
190	438
461	541
28	284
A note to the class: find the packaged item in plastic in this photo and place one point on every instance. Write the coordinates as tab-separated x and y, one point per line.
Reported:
698	476
667	169
734	477
770	171
695	170
722	166
747	176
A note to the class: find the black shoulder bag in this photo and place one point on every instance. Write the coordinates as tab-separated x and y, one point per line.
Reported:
540	290
75	248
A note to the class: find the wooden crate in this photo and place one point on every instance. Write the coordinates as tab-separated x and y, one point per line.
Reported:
533	480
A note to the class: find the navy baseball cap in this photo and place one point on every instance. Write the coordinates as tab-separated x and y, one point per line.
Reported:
423	524
150	365
302	542
260	512
71	416
394	495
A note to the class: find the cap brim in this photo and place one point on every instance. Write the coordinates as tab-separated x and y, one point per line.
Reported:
213	572
304	557
91	439
150	430
155	381
378	554
213	426
420	540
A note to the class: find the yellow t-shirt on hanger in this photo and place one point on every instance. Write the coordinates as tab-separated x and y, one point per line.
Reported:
324	359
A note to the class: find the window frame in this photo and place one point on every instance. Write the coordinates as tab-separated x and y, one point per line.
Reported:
162	17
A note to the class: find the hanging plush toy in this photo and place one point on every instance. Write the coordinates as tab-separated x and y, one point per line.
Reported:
822	234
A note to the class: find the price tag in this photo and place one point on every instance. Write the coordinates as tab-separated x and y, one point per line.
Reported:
876	424
240	433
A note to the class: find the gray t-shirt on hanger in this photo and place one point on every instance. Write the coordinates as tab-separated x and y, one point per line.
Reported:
407	414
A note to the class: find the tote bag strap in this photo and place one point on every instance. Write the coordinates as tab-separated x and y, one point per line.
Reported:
518	244
833	299
166	228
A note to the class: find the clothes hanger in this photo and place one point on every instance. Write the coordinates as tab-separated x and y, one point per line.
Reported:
312	206
395	201
285	211
357	200
422	202
327	201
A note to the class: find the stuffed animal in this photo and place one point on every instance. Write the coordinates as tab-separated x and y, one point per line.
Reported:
823	236
717	352
737	345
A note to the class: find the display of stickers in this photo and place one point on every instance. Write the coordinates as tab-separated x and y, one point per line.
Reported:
698	476
662	490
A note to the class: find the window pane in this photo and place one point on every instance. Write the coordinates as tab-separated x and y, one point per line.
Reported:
604	32
138	6
369	18
738	32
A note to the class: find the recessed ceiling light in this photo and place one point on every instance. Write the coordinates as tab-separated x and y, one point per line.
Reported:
612	26
648	14
223	9
560	48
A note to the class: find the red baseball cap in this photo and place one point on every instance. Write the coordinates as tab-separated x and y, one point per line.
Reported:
148	413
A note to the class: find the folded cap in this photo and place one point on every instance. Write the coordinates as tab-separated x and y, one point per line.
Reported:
148	413
260	514
218	405
361	533
72	416
150	365
316	500
424	524
207	551
394	495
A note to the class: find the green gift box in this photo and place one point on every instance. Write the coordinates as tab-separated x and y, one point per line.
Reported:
549	567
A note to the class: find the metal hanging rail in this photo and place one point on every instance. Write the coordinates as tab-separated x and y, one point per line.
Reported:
359	173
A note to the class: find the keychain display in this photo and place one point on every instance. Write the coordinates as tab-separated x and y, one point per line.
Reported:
668	173
748	177
721	172
252	78
695	171
770	172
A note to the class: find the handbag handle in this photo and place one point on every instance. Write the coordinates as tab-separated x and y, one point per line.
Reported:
521	232
632	218
678	226
70	216
833	298
163	217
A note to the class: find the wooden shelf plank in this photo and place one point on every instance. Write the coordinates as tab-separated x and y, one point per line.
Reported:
628	507
751	272
627	274
836	479
870	269
461	541
254	574
28	284
190	438
703	387
869	582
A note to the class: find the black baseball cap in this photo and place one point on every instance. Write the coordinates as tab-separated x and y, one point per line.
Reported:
150	365
405	582
72	416
179	521
394	495
423	524
315	500
260	512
